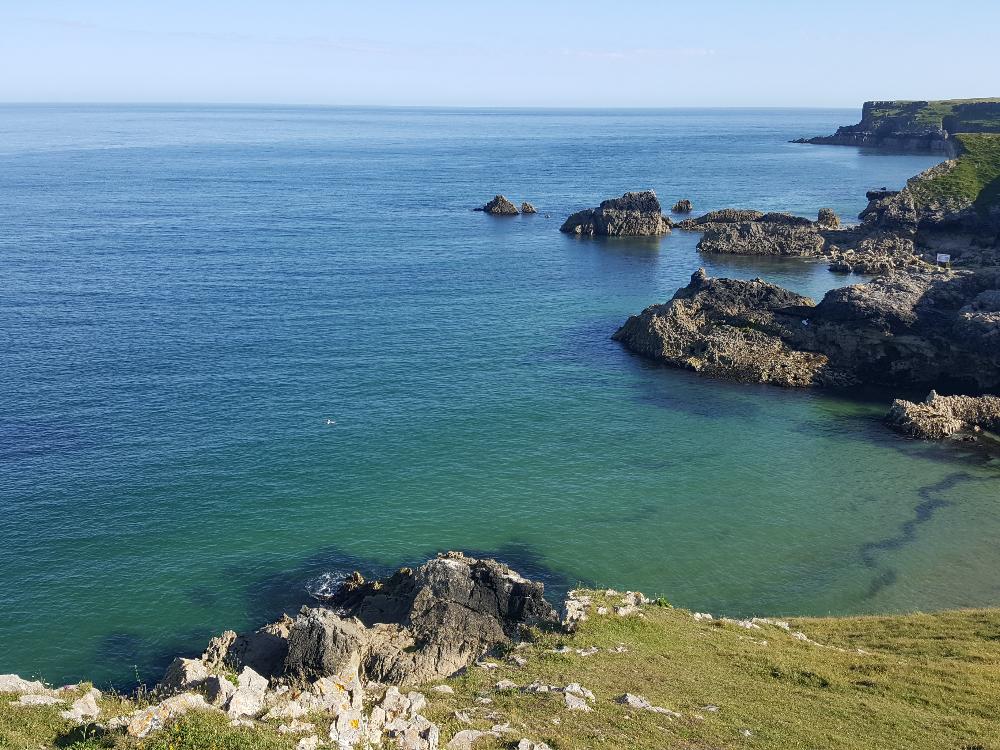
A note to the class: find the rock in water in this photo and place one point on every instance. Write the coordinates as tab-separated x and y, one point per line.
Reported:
771	234
683	207
939	417
500	206
632	215
527	208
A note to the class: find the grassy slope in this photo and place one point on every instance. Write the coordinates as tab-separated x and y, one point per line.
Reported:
929	681
975	178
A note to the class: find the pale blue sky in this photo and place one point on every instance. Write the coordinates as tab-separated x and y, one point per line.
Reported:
563	53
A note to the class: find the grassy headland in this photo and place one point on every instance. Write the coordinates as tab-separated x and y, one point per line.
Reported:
975	177
908	681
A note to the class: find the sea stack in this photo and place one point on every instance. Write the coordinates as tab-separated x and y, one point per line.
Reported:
683	207
500	206
633	215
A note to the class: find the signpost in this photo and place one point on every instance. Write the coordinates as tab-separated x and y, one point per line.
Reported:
944	258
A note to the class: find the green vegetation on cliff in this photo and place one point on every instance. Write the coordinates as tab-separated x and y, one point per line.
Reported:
953	115
909	681
974	178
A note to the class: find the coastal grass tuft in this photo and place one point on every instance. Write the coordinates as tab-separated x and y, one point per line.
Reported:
904	681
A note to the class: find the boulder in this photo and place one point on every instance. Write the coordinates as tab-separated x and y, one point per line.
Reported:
500	206
248	698
527	208
417	625
939	417
83	709
12	683
182	675
683	207
632	215
828	219
143	723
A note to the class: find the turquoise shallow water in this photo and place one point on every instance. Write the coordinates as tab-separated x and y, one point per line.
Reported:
187	295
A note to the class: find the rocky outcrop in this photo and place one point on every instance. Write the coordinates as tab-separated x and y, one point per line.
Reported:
722	216
499	206
879	254
527	208
827	219
895	126
939	417
920	329
683	206
769	234
632	215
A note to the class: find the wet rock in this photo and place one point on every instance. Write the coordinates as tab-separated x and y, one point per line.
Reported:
527	208
500	206
683	206
939	417
632	215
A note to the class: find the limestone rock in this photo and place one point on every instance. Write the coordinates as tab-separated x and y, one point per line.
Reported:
771	234
526	744
322	643
83	709
218	690
248	700
156	717
576	703
33	699
943	416
527	208
500	206
632	215
463	740
12	683
263	650
683	207
182	675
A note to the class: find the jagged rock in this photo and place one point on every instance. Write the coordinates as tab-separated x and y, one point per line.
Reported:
683	206
726	328
632	215
463	740
416	626
891	212
248	700
881	253
527	208
182	675
576	703
500	206
898	330
156	717
217	690
83	709
722	216
827	218
943	416
264	650
12	683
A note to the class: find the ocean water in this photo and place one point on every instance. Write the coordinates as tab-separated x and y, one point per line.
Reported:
189	294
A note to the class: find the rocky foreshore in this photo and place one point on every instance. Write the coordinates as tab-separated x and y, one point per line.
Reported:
899	330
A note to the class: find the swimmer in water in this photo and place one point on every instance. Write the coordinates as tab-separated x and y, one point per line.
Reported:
330	422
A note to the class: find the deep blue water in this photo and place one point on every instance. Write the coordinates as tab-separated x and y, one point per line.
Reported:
188	294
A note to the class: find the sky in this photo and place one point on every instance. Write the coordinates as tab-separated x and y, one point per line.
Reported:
556	54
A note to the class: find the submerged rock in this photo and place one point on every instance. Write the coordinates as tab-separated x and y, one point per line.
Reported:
632	215
500	206
939	417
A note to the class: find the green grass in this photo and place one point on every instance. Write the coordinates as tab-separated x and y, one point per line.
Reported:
931	114
975	178
926	681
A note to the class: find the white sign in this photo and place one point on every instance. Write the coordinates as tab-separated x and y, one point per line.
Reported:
943	258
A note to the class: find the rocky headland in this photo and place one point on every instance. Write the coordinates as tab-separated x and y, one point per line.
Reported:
633	215
918	126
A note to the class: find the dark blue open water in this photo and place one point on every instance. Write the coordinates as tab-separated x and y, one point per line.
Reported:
187	295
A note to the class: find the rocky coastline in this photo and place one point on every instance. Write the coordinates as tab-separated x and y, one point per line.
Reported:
636	214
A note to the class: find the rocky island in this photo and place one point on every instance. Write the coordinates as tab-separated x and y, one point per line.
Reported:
632	215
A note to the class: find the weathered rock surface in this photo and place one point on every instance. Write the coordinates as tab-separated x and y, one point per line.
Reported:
263	650
722	216
828	219
632	215
416	625
897	330
500	206
939	417
683	206
527	208
770	234
12	683
881	253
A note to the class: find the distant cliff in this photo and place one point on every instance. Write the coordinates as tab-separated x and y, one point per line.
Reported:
925	126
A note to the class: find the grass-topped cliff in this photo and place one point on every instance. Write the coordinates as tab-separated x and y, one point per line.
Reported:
973	177
909	681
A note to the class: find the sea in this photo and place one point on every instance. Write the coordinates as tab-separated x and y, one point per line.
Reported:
248	349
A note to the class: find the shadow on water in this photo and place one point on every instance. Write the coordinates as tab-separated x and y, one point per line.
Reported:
142	660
